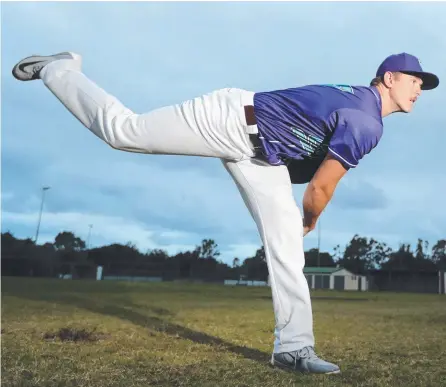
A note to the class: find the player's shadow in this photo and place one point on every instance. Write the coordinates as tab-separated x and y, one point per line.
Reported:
154	321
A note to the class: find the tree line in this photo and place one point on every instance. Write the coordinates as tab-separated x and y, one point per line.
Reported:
68	254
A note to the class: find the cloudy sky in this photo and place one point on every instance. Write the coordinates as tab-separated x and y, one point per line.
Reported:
155	54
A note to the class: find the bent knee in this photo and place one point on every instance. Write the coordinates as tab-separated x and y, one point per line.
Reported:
123	133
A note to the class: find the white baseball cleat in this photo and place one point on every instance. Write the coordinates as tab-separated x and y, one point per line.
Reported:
28	69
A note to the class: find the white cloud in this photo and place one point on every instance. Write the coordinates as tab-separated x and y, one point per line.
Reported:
241	251
7	196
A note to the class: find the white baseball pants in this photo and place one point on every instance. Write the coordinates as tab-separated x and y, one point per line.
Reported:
212	125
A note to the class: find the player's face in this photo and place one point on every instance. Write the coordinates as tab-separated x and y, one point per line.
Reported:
405	90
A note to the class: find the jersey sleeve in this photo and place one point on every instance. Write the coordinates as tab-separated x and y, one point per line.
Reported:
355	135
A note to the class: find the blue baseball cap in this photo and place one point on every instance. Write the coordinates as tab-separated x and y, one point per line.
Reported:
408	64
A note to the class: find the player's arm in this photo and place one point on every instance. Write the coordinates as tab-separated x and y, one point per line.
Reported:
355	135
320	190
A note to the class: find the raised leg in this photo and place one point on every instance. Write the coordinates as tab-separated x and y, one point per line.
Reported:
211	125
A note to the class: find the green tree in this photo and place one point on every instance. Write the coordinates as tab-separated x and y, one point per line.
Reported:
419	250
405	259
260	254
208	249
67	241
439	254
362	255
255	268
315	258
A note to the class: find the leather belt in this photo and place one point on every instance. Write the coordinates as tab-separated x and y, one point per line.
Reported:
251	120
250	115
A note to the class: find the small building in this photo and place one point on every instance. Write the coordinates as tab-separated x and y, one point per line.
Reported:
334	278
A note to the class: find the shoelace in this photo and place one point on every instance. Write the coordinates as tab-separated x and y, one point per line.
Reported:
307	353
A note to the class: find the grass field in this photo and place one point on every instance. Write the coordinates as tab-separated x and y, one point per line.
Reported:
88	333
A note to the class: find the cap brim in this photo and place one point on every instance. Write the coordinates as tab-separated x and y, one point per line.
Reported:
430	81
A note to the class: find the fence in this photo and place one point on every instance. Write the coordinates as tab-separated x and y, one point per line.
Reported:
408	281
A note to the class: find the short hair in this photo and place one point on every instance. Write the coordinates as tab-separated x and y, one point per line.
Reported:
376	81
380	79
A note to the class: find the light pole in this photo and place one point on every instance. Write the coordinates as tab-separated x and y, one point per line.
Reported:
40	213
89	234
318	242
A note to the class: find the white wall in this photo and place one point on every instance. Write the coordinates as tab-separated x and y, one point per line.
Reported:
342	272
351	282
364	284
131	279
440	279
246	283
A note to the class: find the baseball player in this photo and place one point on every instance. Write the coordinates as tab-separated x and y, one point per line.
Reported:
267	141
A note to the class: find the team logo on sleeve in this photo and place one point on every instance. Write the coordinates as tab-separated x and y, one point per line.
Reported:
345	88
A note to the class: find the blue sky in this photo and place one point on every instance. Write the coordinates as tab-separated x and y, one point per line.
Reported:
155	54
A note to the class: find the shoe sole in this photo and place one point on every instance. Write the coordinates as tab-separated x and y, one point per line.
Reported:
289	369
40	58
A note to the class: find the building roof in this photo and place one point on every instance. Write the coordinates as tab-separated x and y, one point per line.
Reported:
321	270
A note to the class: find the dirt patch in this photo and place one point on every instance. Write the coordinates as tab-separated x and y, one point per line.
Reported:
28	375
75	335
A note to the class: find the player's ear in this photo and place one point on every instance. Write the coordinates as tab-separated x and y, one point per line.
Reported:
389	78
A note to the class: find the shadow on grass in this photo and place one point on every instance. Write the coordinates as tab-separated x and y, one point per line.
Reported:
327	298
155	323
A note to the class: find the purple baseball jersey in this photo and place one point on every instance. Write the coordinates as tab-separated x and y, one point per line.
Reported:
305	123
